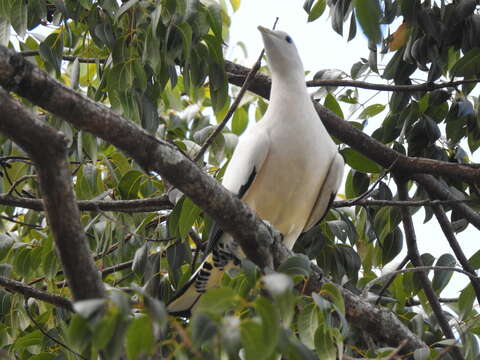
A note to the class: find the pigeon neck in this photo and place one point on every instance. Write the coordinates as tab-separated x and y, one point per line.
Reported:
286	86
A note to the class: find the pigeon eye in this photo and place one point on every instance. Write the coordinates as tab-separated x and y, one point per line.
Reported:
288	39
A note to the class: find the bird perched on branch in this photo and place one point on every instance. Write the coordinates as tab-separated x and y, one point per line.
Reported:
286	168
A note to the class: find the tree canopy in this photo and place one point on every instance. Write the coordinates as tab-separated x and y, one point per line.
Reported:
110	109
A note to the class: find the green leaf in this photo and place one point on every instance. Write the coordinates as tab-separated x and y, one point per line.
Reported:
270	324
42	356
359	162
6	242
203	329
239	121
466	301
78	333
392	245
298	264
215	19
324	344
19	17
442	277
317	10
188	215
124	8
332	104
251	335
307	325
32	338
468	65
235	4
139	338
371	111
368	14
217	301
4	31
475	260
104	331
140	260
334	295
260	340
130	184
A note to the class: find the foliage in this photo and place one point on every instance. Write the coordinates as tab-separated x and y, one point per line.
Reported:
161	65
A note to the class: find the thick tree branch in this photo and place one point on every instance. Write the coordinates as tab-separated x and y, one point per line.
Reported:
29	291
48	149
372	148
452	240
155	155
383	155
416	260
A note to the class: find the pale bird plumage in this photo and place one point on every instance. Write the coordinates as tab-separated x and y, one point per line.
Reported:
286	167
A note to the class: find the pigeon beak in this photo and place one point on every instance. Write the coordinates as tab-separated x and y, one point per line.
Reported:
264	30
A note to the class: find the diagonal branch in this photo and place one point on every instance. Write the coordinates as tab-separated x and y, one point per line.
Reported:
414	256
48	149
29	291
440	191
457	249
254	236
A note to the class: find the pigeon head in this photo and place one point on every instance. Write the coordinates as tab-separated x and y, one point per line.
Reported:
282	55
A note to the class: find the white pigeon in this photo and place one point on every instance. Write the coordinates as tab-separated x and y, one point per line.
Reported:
286	167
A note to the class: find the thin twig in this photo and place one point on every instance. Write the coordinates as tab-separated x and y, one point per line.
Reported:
400	203
20	222
369	191
231	110
39	327
369	285
248	80
389	281
17	182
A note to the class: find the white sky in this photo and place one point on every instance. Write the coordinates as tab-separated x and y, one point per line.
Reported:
322	48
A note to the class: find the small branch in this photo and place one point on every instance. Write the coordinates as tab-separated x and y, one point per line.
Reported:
398	203
82	59
452	240
416	260
248	80
261	84
140	205
354	201
17	182
20	222
390	280
440	191
367	287
413	302
39	327
28	291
